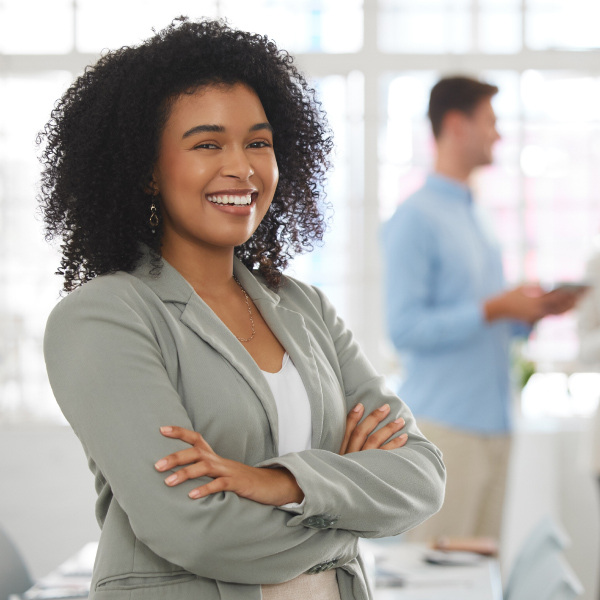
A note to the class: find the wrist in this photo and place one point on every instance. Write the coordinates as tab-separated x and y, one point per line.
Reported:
289	488
493	309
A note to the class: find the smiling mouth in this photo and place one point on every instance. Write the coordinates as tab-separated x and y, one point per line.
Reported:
230	199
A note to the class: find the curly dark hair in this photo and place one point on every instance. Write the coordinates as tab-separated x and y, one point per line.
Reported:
102	142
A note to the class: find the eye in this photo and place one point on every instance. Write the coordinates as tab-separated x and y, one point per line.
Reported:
260	144
206	146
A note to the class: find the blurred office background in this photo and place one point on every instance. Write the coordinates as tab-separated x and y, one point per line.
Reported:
373	63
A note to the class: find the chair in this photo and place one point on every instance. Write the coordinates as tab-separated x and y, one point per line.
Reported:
549	578
14	576
540	570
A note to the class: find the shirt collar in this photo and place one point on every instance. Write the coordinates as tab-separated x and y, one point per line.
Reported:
449	187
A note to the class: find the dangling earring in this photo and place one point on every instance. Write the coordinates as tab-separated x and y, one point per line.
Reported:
153	220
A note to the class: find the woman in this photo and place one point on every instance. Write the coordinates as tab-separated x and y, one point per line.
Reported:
181	175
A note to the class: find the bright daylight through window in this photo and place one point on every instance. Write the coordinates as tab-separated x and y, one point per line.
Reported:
373	64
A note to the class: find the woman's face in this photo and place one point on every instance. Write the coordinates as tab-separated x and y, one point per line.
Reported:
216	171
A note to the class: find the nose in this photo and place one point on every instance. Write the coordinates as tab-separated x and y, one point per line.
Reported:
237	164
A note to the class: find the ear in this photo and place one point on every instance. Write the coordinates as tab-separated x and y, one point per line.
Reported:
152	188
454	123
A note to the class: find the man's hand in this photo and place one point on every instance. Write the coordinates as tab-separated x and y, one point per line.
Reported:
523	303
530	303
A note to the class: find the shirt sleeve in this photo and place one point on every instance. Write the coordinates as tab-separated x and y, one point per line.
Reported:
520	329
107	372
414	322
373	493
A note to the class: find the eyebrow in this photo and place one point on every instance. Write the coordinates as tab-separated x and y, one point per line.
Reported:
221	129
260	126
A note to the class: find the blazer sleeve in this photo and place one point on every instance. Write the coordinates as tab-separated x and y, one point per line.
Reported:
107	373
373	493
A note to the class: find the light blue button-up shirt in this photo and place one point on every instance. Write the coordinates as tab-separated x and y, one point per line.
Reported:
441	263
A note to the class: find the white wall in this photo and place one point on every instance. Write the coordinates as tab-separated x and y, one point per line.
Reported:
47	494
551	475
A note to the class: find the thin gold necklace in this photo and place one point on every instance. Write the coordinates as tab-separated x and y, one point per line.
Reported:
247	299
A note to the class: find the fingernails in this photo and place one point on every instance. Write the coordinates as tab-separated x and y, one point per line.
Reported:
167	429
171	479
194	494
384	408
403	437
161	464
357	408
399	421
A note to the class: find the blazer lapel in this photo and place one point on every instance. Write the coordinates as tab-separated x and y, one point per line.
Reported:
171	286
200	318
289	328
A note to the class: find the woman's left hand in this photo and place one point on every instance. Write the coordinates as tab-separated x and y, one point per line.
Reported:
272	486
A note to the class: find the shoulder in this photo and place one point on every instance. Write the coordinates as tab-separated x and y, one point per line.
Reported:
119	284
300	294
308	300
416	211
412	226
318	313
113	293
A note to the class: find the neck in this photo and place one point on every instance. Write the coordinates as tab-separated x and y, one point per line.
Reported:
208	270
450	163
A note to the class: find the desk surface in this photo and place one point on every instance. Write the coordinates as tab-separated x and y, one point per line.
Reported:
398	564
420	580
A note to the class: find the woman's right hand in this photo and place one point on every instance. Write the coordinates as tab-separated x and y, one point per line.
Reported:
361	436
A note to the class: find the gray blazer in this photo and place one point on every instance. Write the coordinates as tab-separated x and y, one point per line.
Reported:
129	352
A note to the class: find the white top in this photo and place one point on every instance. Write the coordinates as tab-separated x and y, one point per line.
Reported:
293	408
295	434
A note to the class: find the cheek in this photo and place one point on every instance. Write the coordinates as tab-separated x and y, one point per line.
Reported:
181	175
275	176
268	173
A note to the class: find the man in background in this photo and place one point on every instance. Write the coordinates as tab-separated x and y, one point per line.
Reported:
451	317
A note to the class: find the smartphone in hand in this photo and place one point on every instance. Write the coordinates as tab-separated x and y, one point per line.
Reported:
572	287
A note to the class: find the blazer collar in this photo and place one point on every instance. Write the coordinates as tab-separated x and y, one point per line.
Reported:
170	286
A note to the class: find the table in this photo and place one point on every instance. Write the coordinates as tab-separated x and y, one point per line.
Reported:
70	580
402	573
398	568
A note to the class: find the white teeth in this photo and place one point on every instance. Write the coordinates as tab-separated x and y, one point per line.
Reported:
230	199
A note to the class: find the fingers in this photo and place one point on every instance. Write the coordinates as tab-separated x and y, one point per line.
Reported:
190	472
177	459
216	485
354	416
204	464
185	435
397	442
562	303
381	436
198	453
363	438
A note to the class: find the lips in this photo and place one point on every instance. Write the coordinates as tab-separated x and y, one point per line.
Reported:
230	199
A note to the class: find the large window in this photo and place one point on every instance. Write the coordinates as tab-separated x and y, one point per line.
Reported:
373	64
